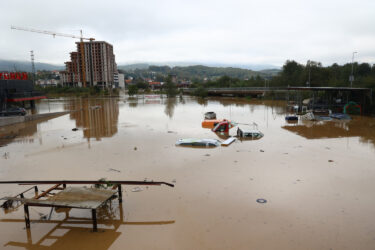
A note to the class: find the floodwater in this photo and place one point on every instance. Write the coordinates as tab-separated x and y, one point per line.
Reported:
318	178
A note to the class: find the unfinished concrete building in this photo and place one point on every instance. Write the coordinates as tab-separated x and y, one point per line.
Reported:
93	64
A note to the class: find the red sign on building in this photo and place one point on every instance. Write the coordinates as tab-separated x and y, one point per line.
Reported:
13	76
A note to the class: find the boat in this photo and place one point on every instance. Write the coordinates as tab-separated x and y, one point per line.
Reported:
192	142
212	123
210	115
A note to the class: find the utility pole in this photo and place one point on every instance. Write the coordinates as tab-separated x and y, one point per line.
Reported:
351	77
32	65
308	82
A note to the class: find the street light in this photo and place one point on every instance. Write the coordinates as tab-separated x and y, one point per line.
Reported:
351	77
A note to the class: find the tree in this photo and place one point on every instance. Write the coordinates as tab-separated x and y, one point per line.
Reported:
170	87
132	90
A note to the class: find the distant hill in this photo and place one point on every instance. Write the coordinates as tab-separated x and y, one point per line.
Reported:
144	65
133	66
271	72
201	71
196	71
9	65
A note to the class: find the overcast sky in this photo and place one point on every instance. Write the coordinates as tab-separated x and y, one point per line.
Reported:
212	31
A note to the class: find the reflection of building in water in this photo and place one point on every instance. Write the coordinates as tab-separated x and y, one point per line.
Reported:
97	117
363	127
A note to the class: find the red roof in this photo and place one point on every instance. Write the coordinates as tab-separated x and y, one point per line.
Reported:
154	83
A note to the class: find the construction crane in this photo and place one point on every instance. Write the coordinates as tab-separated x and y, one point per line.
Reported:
54	34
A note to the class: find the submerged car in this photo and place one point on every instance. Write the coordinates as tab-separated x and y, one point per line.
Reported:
223	126
192	142
210	115
13	111
245	132
212	123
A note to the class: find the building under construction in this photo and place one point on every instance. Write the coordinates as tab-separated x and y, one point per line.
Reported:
93	64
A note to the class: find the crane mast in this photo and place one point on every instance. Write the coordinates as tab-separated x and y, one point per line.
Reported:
54	34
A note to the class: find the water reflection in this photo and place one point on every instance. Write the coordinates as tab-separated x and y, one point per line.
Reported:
202	101
170	105
21	132
363	127
97	117
76	233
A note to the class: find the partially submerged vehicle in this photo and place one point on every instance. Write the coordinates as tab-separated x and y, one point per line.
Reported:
192	142
322	112
223	127
310	116
291	118
210	115
340	116
212	123
249	132
14	111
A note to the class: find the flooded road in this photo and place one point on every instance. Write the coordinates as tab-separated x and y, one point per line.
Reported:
317	177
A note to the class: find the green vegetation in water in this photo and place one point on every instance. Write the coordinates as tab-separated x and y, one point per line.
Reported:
201	91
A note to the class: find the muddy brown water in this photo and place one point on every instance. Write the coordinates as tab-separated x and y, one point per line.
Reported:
318	178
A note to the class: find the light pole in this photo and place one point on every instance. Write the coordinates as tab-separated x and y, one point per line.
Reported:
308	82
351	78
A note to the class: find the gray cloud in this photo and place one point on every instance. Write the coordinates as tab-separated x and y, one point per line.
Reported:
266	32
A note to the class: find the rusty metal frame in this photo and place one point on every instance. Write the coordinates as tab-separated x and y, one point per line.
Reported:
56	186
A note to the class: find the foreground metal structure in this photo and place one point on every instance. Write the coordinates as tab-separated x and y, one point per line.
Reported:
71	197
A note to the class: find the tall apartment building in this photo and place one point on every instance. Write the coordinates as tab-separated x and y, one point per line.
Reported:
93	64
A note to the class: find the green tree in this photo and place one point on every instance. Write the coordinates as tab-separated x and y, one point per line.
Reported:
170	87
132	90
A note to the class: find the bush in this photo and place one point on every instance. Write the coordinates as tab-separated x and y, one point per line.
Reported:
201	92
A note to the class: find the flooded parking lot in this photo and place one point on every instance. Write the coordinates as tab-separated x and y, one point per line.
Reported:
317	178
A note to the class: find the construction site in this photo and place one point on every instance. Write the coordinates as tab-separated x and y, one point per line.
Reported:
92	64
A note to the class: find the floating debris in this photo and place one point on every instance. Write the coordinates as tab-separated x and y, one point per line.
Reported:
261	150
95	107
114	170
261	201
330	160
137	189
6	155
74	129
228	141
135	148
